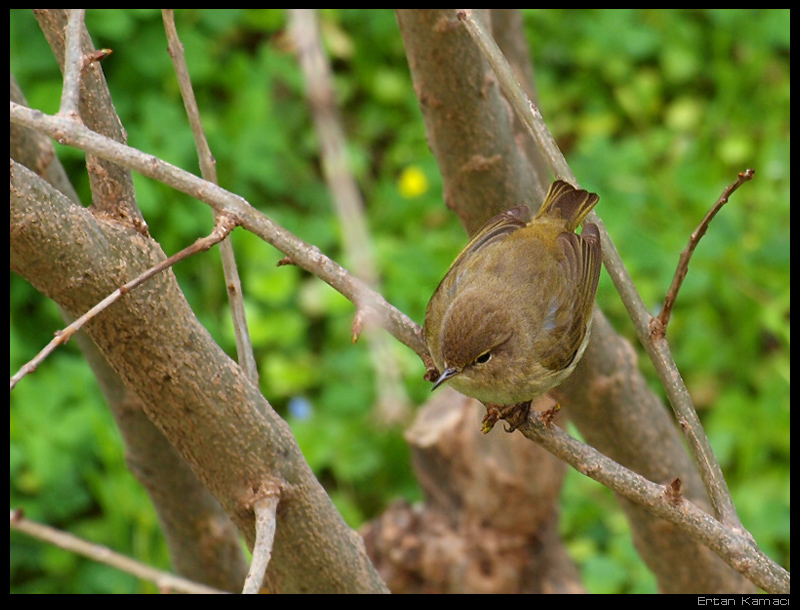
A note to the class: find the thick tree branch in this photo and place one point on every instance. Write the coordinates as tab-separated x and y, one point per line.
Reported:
200	399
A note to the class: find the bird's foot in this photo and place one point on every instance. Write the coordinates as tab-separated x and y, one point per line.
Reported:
515	415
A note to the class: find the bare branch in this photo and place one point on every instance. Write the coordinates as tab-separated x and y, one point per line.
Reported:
113	194
208	169
221	230
530	116
302	254
165	581
73	66
266	515
658	325
735	547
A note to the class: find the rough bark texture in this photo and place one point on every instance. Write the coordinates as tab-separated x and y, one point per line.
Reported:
489	521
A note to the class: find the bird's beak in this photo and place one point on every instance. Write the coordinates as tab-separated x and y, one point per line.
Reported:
446	374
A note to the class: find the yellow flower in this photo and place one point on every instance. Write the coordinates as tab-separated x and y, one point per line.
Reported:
412	182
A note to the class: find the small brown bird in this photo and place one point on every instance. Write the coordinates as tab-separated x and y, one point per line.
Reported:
512	316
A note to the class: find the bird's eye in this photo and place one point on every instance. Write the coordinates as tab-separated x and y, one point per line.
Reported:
484	358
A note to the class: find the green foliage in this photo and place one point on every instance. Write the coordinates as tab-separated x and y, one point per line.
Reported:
656	110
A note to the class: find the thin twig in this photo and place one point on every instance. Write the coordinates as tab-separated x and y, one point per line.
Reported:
530	117
221	230
265	510
208	165
687	417
658	325
165	581
73	66
208	169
